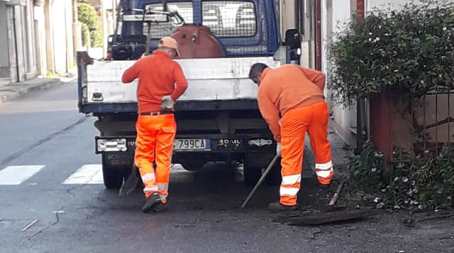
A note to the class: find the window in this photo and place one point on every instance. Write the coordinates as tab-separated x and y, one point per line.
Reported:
156	31
230	18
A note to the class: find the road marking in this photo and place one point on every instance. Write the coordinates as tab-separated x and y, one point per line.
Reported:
15	175
87	174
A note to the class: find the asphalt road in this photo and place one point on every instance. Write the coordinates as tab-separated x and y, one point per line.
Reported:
52	200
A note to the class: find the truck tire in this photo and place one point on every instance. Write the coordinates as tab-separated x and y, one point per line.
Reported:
192	165
274	177
113	176
251	175
253	165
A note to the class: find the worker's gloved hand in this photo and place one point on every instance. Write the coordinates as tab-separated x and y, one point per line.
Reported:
167	104
278	149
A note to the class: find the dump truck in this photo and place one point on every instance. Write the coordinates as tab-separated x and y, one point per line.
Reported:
217	117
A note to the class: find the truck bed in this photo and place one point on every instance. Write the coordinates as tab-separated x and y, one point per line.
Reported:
214	84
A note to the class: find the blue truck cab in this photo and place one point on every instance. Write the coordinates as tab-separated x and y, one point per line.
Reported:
243	27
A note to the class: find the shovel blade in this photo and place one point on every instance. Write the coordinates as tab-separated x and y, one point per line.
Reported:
130	184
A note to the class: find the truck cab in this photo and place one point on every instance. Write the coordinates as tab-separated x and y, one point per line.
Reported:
243	27
217	117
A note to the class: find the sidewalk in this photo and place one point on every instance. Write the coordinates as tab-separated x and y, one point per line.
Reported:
15	90
338	150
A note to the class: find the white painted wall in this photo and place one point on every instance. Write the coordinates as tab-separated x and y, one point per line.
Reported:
287	16
30	41
41	39
59	23
335	16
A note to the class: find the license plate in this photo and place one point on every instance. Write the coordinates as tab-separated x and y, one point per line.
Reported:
191	145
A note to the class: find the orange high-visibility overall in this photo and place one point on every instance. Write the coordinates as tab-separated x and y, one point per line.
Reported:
291	101
295	124
154	147
158	76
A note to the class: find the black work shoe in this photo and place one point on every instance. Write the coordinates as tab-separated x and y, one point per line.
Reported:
151	202
160	207
278	207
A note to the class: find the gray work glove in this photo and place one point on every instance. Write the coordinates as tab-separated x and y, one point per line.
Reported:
167	104
278	149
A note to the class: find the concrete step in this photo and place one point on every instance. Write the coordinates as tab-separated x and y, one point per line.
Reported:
4	81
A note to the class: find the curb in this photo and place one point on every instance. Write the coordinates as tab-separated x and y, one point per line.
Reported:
17	90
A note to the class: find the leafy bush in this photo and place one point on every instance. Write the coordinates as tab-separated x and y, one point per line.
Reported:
87	15
89	18
367	168
96	38
424	182
85	35
411	51
435	179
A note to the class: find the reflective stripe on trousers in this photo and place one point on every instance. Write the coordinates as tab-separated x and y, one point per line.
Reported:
153	155
324	172
295	123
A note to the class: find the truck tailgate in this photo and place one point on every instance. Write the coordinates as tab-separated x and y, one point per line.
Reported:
215	79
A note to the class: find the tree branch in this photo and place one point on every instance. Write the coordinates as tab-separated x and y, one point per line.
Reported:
439	123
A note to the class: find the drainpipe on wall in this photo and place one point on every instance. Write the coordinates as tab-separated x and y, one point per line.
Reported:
318	34
380	113
360	103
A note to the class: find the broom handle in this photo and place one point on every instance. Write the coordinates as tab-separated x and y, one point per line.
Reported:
265	173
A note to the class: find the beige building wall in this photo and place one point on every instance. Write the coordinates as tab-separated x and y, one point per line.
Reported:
62	44
287	16
59	48
41	39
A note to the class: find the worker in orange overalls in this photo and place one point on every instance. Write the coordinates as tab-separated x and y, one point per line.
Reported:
291	101
161	82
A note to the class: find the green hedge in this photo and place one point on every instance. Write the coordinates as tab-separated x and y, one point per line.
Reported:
89	18
85	35
411	50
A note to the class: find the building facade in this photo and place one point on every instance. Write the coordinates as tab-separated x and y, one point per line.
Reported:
36	39
18	44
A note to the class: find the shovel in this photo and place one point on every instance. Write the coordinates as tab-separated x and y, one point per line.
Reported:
130	184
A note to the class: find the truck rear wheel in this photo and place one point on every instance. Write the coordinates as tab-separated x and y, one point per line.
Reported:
112	175
274	176
253	165
251	175
192	165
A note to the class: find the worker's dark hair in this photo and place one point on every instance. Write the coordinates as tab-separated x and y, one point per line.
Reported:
256	70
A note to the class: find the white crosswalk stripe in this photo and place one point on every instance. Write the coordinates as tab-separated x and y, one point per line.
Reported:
87	174
15	175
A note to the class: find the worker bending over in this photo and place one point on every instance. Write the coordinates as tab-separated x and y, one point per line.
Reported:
291	101
161	82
